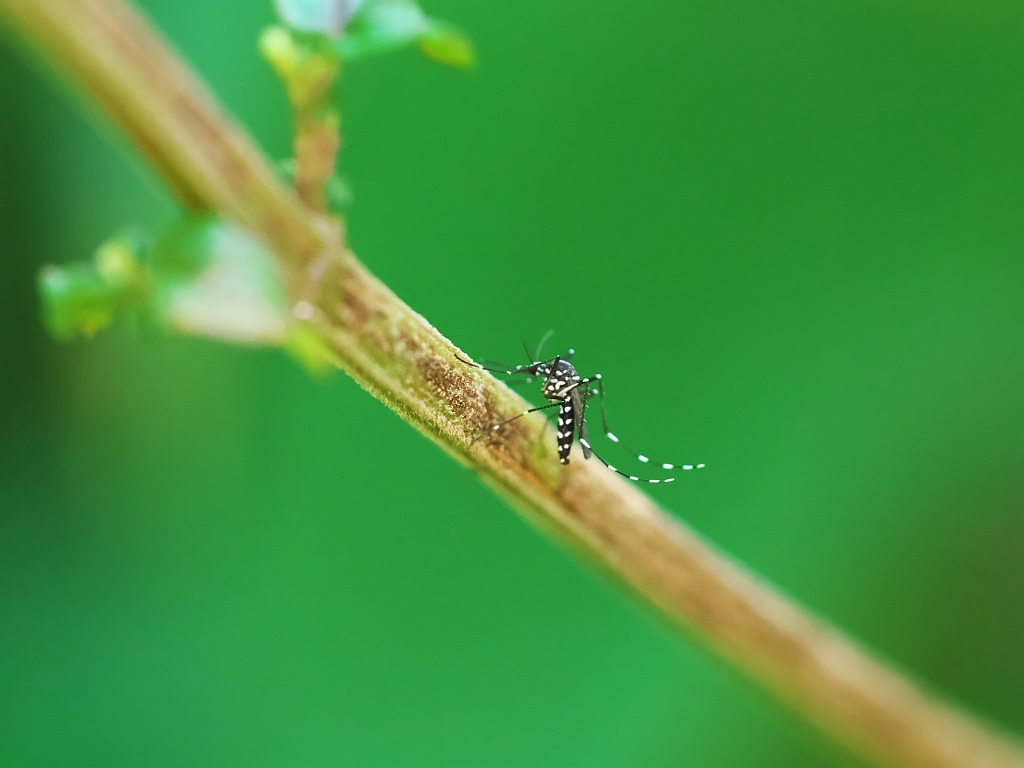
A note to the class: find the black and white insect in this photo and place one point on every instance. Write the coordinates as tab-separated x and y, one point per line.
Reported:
569	392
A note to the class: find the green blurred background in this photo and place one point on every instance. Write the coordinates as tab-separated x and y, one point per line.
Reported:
793	236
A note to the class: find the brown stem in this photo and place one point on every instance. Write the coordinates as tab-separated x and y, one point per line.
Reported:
309	67
107	48
316	146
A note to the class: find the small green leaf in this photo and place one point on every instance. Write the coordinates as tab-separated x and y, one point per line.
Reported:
76	300
447	45
386	25
382	26
85	298
214	278
306	61
325	16
338	193
286	170
204	276
185	246
310	349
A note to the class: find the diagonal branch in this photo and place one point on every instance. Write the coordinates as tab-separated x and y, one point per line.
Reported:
105	47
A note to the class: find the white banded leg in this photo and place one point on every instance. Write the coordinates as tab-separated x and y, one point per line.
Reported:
614	438
625	474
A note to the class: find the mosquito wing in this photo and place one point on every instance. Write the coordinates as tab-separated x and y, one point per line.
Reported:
579	406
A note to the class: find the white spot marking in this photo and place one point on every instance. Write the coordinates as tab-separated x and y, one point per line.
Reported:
304	310
687	466
700	466
670	479
613	438
654	481
644	459
633	477
668	466
584	443
613	469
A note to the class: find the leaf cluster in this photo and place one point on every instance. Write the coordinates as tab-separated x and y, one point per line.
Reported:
203	274
357	29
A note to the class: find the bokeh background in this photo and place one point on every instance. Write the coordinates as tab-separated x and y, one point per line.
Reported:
789	236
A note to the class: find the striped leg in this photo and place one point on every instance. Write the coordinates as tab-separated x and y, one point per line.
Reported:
615	439
498	426
625	474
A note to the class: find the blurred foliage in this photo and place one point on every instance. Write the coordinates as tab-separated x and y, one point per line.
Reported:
792	231
327	17
360	28
85	298
202	275
308	50
380	26
305	61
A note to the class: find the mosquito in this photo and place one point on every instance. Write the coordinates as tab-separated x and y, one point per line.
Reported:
569	392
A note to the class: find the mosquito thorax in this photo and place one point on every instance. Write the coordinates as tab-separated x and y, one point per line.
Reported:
559	379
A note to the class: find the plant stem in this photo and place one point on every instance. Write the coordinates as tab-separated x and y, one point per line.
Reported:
107	48
309	70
